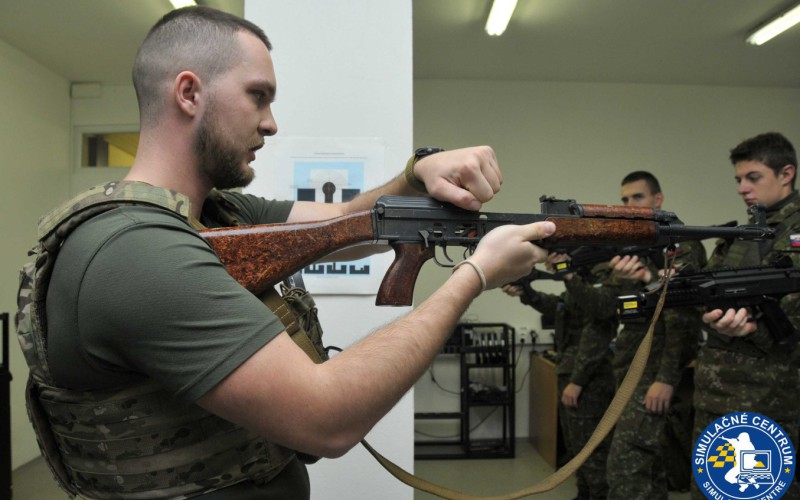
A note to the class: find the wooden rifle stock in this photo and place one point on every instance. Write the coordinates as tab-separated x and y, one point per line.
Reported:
261	256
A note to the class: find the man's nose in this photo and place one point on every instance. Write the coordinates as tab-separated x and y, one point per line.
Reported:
268	126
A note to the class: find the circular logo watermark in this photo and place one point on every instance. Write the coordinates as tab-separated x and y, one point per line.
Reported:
743	456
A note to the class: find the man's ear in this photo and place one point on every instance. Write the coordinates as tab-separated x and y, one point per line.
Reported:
659	199
788	172
187	92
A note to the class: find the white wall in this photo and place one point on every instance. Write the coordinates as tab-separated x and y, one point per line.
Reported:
578	140
113	110
34	141
343	70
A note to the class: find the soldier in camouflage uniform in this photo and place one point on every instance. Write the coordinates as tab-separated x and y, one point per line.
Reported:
740	368
154	374
584	328
636	460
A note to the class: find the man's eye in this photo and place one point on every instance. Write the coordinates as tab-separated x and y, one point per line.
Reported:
259	96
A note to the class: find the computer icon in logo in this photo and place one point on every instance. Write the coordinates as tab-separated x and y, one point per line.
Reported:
755	467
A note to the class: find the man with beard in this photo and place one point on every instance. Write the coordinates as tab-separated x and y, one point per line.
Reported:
740	367
153	372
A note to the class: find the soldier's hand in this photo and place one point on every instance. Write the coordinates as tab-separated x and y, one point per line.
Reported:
569	398
629	267
733	323
467	177
512	290
506	253
658	398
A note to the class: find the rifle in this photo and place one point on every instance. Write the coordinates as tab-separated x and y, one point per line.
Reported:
759	288
531	295
583	259
261	256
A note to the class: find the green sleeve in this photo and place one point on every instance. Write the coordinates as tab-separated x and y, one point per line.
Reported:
593	349
545	303
597	295
594	298
683	326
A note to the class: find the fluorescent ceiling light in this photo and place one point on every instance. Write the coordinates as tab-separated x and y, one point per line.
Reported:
775	27
182	3
499	16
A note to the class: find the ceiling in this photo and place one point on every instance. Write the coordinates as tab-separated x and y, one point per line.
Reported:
691	42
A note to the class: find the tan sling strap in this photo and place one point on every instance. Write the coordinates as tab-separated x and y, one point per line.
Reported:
621	398
272	299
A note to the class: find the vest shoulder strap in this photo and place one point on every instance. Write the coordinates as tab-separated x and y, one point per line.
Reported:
115	193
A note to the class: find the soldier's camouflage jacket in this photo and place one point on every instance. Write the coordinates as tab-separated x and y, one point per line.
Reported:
677	332
584	328
752	373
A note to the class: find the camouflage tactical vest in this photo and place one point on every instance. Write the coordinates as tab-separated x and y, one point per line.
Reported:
138	442
742	253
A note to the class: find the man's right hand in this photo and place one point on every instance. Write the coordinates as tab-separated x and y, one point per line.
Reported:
506	253
733	322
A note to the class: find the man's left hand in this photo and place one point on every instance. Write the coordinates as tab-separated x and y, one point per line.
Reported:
658	398
571	394
467	177
629	267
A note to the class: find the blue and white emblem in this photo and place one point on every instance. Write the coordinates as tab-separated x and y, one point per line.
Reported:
743	456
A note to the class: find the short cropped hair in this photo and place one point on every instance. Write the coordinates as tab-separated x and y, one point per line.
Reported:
772	149
647	177
198	39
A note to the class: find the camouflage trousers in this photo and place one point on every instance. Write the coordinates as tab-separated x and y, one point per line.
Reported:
703	418
635	467
578	424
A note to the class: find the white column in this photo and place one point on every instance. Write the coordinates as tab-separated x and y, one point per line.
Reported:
344	70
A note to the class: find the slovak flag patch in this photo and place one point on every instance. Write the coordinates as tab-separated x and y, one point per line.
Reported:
794	240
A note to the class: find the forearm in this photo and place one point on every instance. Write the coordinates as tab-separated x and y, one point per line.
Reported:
598	302
375	373
592	349
325	409
395	186
546	304
682	335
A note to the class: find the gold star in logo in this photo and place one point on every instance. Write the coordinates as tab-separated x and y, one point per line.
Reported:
787	470
700	470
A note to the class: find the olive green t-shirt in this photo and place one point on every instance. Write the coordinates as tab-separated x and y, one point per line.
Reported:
137	294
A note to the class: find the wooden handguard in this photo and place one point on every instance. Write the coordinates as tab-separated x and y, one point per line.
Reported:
572	232
618	211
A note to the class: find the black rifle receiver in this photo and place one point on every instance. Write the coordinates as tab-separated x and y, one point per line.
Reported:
759	288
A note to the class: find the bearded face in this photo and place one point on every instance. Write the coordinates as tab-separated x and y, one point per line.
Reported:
223	159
